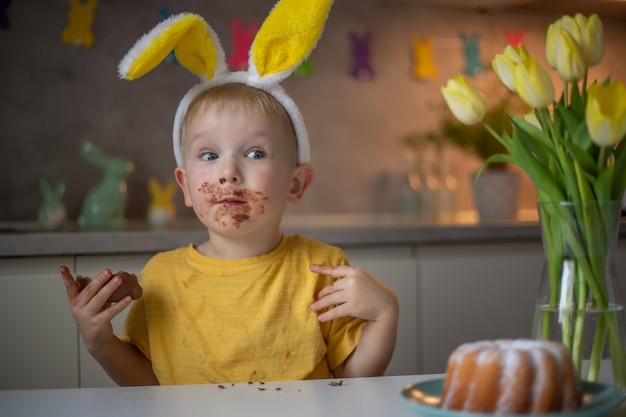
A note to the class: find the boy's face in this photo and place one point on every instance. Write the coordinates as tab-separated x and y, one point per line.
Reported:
239	170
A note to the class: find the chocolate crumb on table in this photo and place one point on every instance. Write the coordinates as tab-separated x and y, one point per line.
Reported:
336	383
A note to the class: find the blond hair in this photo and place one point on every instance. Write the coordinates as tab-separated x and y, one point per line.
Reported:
241	97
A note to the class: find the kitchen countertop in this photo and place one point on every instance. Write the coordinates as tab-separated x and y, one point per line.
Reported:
344	230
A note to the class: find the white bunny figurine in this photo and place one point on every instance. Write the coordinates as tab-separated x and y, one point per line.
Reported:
104	205
52	213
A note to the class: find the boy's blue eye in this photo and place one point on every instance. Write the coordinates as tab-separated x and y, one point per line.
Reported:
256	154
209	156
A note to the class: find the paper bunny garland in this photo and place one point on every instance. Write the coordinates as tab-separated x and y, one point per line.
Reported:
242	38
471	50
361	68
79	20
423	57
284	40
514	38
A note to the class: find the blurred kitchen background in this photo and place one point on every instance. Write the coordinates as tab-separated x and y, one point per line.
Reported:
52	95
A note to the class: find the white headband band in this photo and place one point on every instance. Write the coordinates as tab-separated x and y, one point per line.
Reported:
242	77
286	38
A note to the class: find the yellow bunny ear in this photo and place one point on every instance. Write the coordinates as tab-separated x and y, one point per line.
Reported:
288	36
194	42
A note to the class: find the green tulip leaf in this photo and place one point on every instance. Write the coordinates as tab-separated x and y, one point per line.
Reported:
537	141
619	157
582	137
538	173
496	158
584	189
570	120
569	175
604	183
576	102
585	160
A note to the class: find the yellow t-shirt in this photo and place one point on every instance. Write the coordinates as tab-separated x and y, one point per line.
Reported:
205	320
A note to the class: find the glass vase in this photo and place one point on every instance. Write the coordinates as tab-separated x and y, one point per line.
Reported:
580	302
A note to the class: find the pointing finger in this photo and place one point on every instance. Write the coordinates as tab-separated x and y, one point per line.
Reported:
339	271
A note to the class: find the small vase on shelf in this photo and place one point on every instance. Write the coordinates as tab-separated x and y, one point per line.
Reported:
580	302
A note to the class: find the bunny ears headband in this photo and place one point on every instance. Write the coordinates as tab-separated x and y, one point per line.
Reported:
285	39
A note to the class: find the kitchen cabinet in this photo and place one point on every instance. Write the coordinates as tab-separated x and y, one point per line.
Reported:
396	267
91	374
449	294
475	292
39	337
483	291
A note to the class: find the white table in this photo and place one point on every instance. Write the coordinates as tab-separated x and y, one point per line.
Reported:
362	397
355	397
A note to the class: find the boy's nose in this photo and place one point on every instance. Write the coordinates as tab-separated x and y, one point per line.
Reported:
229	172
232	180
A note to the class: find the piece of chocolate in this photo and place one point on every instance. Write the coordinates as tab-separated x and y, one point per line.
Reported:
130	286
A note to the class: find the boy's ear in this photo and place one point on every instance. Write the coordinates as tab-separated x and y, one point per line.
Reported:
181	180
302	178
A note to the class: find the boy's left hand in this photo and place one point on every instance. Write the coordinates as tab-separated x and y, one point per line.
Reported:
354	293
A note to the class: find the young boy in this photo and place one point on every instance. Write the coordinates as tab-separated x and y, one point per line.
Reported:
249	304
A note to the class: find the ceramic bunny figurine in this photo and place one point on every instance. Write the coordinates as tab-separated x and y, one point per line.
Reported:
161	210
104	205
52	213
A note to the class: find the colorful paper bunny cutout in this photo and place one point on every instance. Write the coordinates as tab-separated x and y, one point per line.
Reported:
423	58
52	212
162	209
305	69
79	20
284	41
471	51
361	68
4	14
242	38
514	38
104	206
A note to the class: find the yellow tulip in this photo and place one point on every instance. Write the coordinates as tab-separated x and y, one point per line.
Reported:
532	119
605	113
564	50
466	103
533	84
592	38
569	24
504	65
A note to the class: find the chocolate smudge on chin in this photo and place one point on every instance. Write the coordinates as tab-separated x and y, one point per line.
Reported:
239	214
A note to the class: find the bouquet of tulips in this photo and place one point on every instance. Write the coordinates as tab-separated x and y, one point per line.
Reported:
573	150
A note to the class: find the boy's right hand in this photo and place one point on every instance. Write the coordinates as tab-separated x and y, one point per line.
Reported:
91	309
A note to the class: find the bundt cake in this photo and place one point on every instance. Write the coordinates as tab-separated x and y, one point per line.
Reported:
511	377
